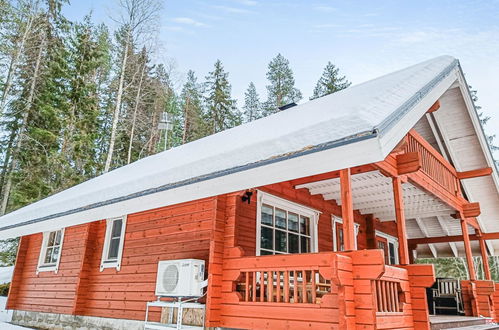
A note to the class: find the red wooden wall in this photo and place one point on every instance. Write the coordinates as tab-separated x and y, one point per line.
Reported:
174	232
203	229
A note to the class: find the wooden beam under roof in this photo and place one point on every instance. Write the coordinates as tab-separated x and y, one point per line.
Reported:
434	107
455	238
474	173
424	230
330	175
445	228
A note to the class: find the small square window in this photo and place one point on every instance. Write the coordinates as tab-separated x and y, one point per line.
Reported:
50	251
113	243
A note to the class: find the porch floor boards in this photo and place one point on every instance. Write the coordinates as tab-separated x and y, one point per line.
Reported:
450	322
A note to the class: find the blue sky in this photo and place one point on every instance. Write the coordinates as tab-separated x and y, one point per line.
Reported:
364	38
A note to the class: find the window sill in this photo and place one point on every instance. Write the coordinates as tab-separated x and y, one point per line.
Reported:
47	269
114	264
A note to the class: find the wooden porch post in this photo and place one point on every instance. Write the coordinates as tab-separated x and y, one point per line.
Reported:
398	198
347	209
467	249
485	259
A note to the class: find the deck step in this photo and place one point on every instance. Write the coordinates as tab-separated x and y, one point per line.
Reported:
461	322
478	327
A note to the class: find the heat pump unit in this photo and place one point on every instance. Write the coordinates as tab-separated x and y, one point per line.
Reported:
180	278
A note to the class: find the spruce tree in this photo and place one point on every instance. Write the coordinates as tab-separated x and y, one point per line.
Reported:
281	89
191	100
484	118
221	110
252	105
330	82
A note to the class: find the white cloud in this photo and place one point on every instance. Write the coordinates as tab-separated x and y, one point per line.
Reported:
247	2
233	10
188	21
326	26
326	9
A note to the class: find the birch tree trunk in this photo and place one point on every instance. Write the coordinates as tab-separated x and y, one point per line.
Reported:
117	108
24	122
136	108
13	64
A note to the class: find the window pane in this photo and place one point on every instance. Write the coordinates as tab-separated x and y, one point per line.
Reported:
293	222
267	238
305	225
280	218
48	256
341	240
294	246
51	239
305	244
280	240
58	237
267	215
113	249
265	253
391	248
117	224
55	255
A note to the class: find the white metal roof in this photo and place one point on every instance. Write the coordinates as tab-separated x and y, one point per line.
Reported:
359	125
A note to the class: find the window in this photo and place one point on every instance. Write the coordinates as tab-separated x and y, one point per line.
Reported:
389	245
285	227
113	243
50	251
339	235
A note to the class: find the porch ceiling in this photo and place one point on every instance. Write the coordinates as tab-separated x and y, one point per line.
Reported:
426	216
372	193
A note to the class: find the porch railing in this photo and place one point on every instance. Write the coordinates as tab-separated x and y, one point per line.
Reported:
388	296
304	286
293	279
433	164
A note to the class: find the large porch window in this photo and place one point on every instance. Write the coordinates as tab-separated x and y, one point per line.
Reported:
389	245
284	226
338	234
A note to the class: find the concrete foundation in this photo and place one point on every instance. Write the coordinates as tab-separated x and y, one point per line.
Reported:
72	322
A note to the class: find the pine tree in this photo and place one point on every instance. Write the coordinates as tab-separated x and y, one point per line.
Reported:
252	105
88	48
221	110
330	82
191	99
483	119
281	90
163	99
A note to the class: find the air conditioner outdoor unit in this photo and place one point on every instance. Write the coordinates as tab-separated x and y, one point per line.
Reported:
180	278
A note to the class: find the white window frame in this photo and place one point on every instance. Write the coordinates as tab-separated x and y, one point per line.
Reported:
110	263
336	220
42	266
266	198
390	239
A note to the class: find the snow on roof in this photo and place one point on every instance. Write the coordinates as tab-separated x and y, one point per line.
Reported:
359	112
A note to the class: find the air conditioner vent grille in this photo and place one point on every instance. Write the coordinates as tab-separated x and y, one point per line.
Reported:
170	278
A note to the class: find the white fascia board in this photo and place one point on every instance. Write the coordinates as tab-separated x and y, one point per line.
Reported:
475	120
394	134
347	155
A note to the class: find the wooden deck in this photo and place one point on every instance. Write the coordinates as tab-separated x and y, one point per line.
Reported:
439	322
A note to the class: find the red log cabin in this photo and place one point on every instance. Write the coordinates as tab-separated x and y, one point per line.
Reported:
309	218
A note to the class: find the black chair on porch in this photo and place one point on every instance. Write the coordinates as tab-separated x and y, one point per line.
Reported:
444	297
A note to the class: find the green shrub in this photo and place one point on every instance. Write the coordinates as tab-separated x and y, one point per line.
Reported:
4	289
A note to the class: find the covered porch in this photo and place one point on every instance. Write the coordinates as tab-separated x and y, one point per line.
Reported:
375	287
